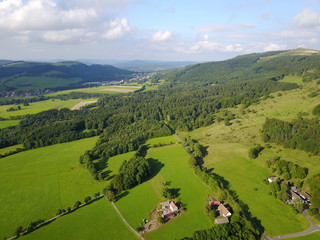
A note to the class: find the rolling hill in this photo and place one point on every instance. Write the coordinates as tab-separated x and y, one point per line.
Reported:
31	76
257	66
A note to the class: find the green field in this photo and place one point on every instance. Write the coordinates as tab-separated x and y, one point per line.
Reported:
95	221
36	183
39	83
9	123
37	107
161	140
9	149
228	154
173	164
101	89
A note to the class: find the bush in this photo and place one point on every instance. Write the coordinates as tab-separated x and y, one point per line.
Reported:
254	151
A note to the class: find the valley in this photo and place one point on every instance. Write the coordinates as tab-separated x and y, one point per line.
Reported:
67	156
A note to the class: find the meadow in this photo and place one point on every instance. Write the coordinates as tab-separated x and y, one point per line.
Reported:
8	123
36	183
37	107
9	149
98	220
100	89
172	164
228	148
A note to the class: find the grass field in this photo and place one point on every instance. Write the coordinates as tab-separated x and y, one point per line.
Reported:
95	221
36	183
172	161
35	83
37	107
101	89
228	154
161	140
9	149
9	123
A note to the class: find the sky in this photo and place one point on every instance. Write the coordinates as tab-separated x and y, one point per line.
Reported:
166	30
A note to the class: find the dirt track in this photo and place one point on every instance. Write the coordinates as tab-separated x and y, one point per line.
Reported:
80	105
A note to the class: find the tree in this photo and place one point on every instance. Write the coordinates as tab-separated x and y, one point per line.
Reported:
166	193
19	231
96	195
76	204
111	195
254	151
87	199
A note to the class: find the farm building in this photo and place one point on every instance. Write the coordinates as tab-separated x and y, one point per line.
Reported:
224	211
221	220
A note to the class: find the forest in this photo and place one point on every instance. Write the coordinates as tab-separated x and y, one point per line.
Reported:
302	133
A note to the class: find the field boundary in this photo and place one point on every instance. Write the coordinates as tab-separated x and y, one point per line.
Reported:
125	221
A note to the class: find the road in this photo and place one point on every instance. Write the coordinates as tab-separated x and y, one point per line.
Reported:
125	221
313	228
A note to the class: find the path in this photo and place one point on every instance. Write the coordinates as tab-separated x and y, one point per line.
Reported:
125	221
313	228
80	105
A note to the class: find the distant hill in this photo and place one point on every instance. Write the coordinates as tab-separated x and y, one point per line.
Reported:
267	66
151	66
31	76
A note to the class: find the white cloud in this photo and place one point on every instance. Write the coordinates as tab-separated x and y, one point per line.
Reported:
308	18
67	36
274	47
42	15
225	28
161	36
117	29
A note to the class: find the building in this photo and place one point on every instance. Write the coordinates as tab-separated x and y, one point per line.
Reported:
173	207
221	220
272	179
224	211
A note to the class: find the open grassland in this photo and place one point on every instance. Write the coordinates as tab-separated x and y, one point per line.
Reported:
161	141
37	107
35	83
228	148
95	221
101	89
9	123
36	183
292	79
172	163
9	149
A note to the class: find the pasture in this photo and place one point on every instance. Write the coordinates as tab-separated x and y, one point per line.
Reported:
228	148
9	123
9	149
37	107
172	164
100	89
95	221
36	183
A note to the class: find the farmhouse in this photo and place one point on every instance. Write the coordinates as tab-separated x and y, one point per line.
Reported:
221	220
224	211
213	202
272	179
168	209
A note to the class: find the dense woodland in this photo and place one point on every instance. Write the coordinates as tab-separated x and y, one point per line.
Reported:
250	67
300	134
126	121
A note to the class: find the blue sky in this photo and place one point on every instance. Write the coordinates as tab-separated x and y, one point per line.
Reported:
199	30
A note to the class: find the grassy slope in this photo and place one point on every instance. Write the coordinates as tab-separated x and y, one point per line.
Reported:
138	204
101	89
228	148
36	183
37	107
9	149
161	140
9	123
96	221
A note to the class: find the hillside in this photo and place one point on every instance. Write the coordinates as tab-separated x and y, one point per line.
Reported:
31	76
269	65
